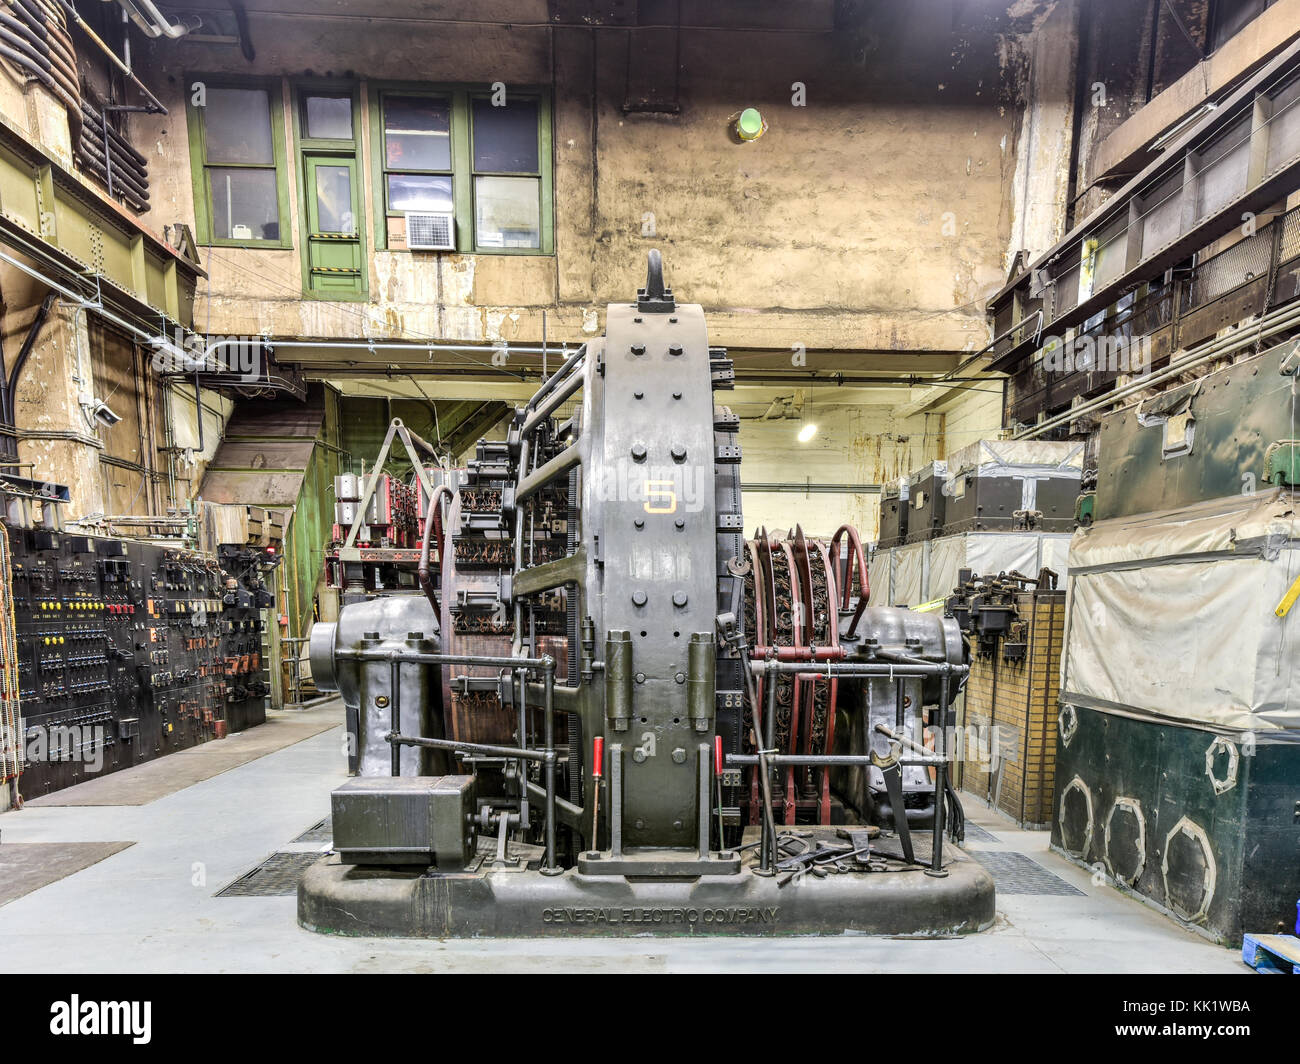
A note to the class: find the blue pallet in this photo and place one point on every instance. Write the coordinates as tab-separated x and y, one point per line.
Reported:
1272	954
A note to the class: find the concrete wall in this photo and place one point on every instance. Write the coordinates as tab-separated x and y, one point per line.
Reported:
860	444
874	218
865	227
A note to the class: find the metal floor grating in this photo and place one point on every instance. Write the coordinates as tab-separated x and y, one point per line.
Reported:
975	833
321	831
1014	873
278	875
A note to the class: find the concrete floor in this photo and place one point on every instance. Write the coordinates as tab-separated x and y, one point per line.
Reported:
151	907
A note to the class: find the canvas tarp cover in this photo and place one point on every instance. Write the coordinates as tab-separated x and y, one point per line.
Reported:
1171	616
926	571
993	457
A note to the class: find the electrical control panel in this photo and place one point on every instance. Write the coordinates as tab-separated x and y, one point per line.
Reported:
246	593
120	653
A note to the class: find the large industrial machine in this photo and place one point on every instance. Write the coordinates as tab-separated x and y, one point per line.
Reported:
613	714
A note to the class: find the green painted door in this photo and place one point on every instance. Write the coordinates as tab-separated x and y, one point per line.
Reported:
334	261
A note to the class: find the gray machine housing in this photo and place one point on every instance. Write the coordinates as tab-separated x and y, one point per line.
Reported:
927	502
405	820
893	513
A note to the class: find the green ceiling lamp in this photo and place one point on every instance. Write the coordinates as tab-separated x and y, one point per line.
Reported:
750	125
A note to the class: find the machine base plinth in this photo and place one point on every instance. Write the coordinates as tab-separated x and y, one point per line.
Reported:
340	899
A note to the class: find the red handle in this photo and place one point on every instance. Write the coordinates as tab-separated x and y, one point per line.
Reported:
598	756
717	755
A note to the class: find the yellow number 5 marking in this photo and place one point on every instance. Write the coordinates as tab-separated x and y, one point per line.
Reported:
661	492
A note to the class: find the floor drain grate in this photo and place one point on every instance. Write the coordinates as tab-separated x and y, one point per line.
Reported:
276	876
975	833
1014	873
321	831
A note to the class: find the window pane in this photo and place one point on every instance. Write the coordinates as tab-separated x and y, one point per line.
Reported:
417	133
507	212
329	117
505	138
419	192
334	200
244	204
237	126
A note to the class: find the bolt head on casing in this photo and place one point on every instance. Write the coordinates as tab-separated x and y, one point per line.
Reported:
679	599
679	453
638	349
638	598
638	452
674	349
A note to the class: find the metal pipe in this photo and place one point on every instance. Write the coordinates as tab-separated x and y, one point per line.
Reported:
575	813
422	658
152	21
760	653
808	488
422	570
366	345
80	300
549	384
7	388
552	403
112	55
861	668
1268	325
90	154
394	717
940	780
128	150
93	165
549	867
816	760
767	851
124	168
993	343
539	478
483	749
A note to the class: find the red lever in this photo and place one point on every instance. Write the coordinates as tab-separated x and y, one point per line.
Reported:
717	755
598	756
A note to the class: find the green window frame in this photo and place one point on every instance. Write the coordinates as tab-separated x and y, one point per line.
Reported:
325	256
462	173
201	166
